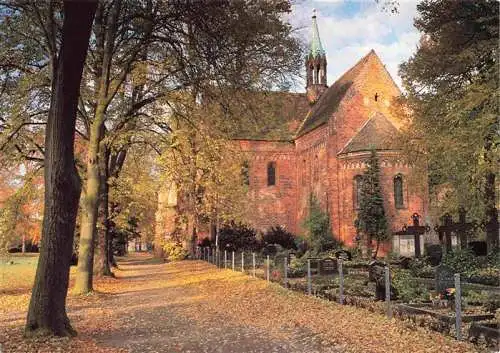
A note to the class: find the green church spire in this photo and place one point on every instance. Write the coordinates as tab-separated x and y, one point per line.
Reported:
316	47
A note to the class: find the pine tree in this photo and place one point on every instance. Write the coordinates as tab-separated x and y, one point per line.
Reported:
371	219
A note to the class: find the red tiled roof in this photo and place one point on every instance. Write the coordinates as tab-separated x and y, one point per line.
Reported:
277	117
377	133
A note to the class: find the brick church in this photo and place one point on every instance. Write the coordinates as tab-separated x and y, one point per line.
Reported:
329	134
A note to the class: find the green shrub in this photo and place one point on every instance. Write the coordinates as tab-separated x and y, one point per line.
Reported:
489	276
301	245
475	298
237	236
318	228
461	261
174	251
297	267
420	268
278	235
407	288
493	258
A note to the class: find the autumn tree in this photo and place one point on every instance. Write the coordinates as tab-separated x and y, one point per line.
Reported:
21	196
173	50
452	92
371	220
47	309
204	167
133	195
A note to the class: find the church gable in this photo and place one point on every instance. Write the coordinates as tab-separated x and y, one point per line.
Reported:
368	77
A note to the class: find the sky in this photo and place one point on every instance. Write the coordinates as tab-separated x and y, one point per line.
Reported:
350	29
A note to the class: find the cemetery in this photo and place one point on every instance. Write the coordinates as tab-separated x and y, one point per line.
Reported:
424	290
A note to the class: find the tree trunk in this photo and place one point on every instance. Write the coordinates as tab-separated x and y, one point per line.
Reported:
85	269
102	267
47	309
492	231
114	165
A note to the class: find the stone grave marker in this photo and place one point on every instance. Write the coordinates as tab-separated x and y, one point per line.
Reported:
328	266
314	264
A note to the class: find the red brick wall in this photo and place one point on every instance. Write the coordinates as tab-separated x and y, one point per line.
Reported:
312	171
390	166
272	205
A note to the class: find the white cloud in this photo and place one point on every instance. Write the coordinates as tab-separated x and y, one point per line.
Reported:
347	38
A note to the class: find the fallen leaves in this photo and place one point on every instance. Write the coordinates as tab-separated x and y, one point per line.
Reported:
191	306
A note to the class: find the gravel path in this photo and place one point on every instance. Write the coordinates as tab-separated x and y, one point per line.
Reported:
191	306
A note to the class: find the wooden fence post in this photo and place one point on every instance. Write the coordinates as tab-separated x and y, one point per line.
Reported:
253	263
341	283
458	307
309	284
268	268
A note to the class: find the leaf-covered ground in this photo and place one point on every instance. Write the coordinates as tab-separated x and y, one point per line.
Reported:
191	306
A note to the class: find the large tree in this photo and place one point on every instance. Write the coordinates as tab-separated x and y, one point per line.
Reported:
174	53
47	309
452	92
371	220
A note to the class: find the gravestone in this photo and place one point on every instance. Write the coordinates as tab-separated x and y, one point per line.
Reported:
314	264
479	248
444	278
328	266
343	254
377	275
434	253
374	269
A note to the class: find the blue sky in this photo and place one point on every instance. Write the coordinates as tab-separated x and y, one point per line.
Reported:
350	29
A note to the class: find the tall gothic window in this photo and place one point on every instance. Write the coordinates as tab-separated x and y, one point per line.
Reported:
245	173
356	195
398	191
271	173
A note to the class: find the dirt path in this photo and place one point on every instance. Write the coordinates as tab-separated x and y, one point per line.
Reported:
193	307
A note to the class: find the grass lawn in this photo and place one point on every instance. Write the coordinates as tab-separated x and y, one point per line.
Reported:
17	273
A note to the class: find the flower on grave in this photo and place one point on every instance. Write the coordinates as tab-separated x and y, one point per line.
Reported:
448	293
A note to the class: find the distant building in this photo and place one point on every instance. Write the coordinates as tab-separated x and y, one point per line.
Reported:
329	133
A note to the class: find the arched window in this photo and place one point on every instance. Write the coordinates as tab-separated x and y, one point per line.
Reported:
356	195
398	191
271	173
245	173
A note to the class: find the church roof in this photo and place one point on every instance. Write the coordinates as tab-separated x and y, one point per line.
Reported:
377	133
331	98
276	117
